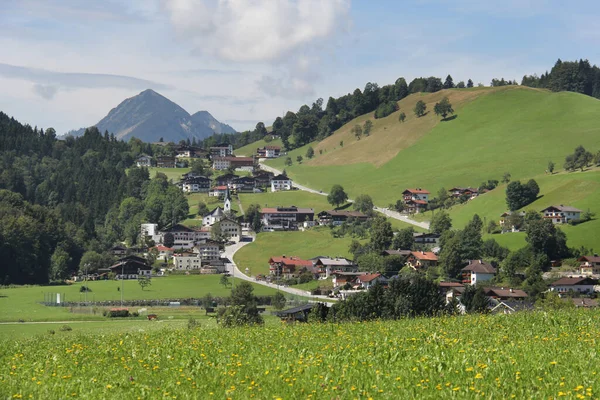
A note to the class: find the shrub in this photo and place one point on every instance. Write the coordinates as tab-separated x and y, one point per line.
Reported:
192	323
84	289
386	109
135	314
65	328
118	313
51	331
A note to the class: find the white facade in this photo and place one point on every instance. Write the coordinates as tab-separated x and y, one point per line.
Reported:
231	229
480	277
277	185
187	261
221	163
208	251
562	217
574	288
144	161
152	231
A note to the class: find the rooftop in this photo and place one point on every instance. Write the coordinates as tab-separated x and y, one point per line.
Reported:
480	266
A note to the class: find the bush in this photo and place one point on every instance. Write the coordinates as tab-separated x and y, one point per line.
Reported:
135	314
386	109
118	313
51	331
84	289
65	328
192	323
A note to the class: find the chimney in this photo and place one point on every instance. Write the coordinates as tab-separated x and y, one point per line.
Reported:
480	261
511	290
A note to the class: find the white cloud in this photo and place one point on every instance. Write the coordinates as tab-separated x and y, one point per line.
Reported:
260	30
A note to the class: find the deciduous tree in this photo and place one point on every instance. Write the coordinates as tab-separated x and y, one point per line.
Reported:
420	108
337	196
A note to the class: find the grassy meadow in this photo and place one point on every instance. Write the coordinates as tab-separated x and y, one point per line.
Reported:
308	244
24	302
526	355
250	149
497	130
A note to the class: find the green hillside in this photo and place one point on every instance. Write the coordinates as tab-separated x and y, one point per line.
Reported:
250	149
516	130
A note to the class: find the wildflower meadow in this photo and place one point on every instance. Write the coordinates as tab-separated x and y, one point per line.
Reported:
526	355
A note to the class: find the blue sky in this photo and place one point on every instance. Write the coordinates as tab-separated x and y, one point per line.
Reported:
66	63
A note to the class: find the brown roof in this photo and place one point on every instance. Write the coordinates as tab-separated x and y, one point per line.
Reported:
231	158
481	267
592	259
368	277
505	293
416	191
397	252
584	302
562	208
291	261
271	210
450	284
574	281
424	255
357	214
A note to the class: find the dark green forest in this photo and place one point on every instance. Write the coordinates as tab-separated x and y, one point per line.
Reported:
63	200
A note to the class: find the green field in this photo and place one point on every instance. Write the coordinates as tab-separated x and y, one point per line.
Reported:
515	130
308	244
250	149
24	302
527	355
171	173
296	198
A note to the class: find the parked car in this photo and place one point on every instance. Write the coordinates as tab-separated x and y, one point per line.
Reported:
257	190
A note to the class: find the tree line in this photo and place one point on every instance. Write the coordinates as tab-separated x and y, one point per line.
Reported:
572	76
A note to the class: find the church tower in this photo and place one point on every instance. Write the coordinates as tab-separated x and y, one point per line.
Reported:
227	205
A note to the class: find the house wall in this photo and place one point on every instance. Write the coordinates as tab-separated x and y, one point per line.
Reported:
575	288
479	277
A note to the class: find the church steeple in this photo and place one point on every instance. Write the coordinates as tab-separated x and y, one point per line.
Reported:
227	205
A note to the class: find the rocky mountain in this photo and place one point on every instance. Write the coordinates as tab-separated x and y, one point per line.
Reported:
150	116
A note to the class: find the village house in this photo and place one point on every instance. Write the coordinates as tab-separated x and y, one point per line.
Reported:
399	253
263	178
426	238
118	251
562	214
268	152
366	281
507	222
590	265
164	252
208	250
477	271
415	200
150	231
131	267
221	150
165	162
184	237
505	294
238	163
215	215
288	267
285	218
230	229
187	261
186	151
218	191
226	179
334	217
324	267
195	184
243	184
421	259
340	279
143	161
451	290
467	192
579	285
281	182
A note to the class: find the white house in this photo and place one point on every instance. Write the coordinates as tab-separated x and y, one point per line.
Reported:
164	252
151	230
187	261
477	271
231	229
581	285
281	182
562	214
195	184
208	250
368	280
214	216
144	161
184	237
590	265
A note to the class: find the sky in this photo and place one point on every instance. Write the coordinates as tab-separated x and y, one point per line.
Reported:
66	63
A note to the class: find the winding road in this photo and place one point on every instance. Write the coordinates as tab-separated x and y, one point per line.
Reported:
385	211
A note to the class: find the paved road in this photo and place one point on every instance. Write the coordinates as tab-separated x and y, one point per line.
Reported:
237	274
385	211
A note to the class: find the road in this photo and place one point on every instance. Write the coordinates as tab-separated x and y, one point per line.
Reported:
237	274
385	211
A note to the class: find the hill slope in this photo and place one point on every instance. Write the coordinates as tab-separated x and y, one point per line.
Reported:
516	130
150	116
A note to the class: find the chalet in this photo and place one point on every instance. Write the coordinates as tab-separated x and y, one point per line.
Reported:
243	184
590	265
562	214
334	217
118	251
467	192
288	267
221	150
144	161
186	152
242	163
285	217
231	229
263	178
164	252
165	162
187	261
505	294
218	191
208	250
399	253
324	267
226	179
451	290
150	231
426	238
507	221
131	267
421	259
281	182
339	278
368	280
268	152
415	194
184	237
195	184
509	306
477	271
580	285
215	215
583	302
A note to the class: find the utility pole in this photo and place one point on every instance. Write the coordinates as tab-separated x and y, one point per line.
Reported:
86	265
122	279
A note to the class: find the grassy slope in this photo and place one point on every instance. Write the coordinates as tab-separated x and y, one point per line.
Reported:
308	244
171	173
23	302
516	129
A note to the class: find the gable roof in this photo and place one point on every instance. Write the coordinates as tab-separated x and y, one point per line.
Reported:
592	259
416	191
505	293
424	255
368	277
574	281
403	253
334	261
160	247
291	261
280	177
343	213
217	212
480	266
562	209
450	284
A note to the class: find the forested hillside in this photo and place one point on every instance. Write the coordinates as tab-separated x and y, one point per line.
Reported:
61	199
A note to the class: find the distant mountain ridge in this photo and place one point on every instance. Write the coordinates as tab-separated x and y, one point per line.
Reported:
150	116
